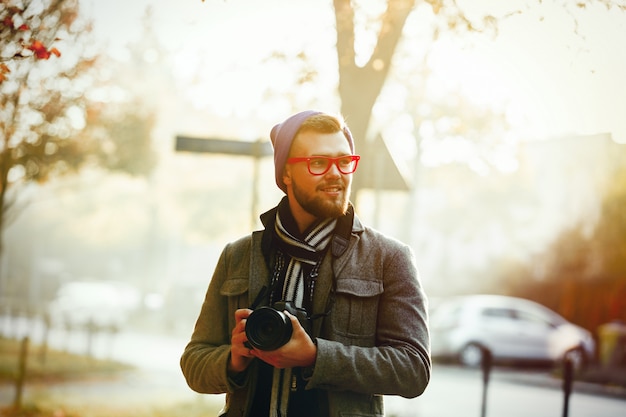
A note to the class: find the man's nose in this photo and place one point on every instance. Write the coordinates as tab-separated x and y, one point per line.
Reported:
334	170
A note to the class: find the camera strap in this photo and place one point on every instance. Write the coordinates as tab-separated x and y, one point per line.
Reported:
309	284
259	297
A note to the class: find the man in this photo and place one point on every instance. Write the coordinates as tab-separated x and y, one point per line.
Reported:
360	319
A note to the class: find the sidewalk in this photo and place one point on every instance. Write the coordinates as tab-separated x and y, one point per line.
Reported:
548	381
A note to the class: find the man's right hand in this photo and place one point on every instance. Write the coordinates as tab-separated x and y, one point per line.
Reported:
240	355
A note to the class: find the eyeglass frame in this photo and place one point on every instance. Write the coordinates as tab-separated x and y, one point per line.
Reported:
332	161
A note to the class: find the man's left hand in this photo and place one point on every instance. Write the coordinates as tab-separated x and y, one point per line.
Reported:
300	351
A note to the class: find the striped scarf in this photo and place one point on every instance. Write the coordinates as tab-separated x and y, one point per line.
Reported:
297	264
302	257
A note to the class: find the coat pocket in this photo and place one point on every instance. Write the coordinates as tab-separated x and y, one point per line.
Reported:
236	290
355	312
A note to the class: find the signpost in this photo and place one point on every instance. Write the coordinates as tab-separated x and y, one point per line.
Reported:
257	150
377	169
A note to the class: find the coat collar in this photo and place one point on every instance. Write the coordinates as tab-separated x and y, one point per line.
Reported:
263	251
346	226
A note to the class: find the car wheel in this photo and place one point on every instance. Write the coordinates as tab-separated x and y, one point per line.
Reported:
472	355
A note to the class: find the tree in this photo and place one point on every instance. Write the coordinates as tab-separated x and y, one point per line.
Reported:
41	100
48	124
584	273
360	85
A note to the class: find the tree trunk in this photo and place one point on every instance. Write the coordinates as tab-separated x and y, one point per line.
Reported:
359	87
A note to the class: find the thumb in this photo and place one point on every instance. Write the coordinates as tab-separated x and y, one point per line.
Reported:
295	323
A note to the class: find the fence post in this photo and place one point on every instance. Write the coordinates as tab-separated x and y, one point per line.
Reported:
21	374
568	377
486	364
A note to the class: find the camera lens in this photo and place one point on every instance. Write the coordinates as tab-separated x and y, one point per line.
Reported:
268	329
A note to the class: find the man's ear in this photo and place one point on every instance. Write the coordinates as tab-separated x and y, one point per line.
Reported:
287	175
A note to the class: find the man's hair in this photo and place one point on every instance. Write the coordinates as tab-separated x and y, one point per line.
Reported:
322	123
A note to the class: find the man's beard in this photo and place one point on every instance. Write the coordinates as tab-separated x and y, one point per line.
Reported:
322	208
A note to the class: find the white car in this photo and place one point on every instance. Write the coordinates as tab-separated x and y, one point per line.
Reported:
96	304
510	328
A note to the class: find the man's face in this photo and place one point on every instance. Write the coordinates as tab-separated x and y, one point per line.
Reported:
321	196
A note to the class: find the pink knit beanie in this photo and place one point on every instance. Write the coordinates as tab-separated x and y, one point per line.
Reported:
282	136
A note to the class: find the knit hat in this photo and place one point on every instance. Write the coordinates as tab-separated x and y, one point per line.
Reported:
282	136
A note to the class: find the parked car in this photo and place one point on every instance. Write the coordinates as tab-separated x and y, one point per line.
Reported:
100	305
510	328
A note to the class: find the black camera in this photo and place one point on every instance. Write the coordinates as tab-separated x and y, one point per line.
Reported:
268	328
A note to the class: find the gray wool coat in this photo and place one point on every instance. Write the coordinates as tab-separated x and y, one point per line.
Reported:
374	342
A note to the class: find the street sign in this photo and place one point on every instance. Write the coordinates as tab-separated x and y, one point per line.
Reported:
377	168
224	146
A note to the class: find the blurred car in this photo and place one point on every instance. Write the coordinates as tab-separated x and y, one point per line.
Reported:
99	305
511	329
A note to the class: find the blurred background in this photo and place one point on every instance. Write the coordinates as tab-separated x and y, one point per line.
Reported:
493	139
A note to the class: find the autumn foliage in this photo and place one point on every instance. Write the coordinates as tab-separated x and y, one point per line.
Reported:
585	271
16	29
41	93
50	124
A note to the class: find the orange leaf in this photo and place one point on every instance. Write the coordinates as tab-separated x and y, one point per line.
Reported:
3	71
55	51
24	27
36	45
39	50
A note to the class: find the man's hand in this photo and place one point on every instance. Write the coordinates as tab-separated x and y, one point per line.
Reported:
240	355
300	351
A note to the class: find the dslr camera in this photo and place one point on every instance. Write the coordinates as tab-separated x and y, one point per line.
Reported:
268	328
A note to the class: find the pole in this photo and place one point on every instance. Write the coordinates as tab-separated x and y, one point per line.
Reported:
486	364
568	377
21	374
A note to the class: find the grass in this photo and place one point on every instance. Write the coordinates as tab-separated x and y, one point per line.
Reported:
52	366
187	409
47	365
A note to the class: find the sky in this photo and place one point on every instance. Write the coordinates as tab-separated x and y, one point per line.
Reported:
552	81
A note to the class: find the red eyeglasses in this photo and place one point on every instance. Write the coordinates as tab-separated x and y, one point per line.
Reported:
319	165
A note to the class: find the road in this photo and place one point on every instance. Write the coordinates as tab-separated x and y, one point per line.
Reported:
453	391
